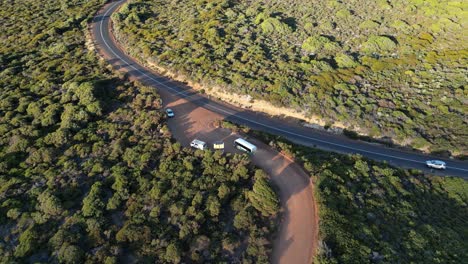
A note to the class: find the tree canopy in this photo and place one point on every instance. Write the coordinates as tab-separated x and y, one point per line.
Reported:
88	172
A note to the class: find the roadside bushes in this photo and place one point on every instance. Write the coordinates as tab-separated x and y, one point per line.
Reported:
372	212
254	48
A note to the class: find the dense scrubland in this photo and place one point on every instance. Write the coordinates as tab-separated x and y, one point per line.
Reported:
373	213
89	172
88	169
388	69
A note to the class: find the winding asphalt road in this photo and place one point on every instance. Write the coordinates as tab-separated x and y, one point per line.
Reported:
294	132
305	136
297	238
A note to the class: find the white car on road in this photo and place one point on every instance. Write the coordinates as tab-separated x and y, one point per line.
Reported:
436	164
169	112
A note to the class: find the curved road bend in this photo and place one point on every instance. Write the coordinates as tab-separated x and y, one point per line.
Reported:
258	121
297	238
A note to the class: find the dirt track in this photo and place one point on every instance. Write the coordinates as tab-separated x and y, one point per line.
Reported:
298	234
297	238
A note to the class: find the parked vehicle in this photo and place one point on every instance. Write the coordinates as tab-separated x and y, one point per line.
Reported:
169	112
218	145
244	145
198	144
436	164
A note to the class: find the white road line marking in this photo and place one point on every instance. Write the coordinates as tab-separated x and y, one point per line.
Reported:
130	64
181	94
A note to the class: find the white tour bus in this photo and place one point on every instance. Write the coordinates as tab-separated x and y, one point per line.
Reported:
244	145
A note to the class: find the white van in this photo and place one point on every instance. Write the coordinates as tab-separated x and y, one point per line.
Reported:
198	144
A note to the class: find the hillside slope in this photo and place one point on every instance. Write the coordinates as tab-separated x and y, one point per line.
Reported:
393	70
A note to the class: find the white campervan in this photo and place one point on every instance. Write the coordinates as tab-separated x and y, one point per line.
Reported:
198	144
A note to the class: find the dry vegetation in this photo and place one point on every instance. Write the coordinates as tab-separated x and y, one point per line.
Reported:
388	69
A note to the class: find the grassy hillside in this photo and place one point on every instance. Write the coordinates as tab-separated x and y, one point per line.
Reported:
388	69
88	170
374	213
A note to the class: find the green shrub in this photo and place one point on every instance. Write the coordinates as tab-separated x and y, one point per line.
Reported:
378	44
369	24
345	61
316	43
271	25
262	197
28	241
343	13
70	254
401	25
351	134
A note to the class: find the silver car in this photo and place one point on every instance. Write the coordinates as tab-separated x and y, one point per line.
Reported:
436	164
169	112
